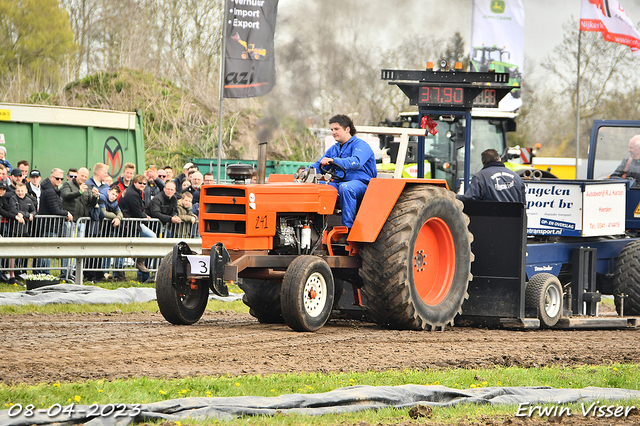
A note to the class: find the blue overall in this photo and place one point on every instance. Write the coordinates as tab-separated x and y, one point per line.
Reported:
357	158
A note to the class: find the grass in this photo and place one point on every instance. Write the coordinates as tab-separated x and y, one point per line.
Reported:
145	390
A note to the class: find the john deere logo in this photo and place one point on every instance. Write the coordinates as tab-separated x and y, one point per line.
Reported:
113	155
497	6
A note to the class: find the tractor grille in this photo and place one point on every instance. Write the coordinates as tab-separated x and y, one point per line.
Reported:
224	210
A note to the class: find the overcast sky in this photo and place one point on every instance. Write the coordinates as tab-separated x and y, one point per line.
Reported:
391	21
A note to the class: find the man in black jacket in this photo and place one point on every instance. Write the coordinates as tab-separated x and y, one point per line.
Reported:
51	205
495	182
132	205
164	206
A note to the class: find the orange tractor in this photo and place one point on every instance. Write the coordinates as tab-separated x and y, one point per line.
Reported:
405	264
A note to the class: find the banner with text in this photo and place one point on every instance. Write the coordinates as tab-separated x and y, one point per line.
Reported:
250	65
497	43
609	18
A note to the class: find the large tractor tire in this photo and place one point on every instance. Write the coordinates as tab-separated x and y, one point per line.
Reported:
263	299
626	279
544	292
417	272
307	293
179	309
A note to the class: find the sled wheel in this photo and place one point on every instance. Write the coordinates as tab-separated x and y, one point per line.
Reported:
417	271
179	309
626	279
263	299
544	292
307	293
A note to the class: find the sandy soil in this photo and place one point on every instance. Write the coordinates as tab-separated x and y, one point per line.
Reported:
50	348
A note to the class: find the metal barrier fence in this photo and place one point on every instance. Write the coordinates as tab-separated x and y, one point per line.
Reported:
58	226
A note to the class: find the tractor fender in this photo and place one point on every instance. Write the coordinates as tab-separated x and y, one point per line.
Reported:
378	201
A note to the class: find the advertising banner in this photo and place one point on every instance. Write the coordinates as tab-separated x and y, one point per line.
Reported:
497	43
609	18
250	66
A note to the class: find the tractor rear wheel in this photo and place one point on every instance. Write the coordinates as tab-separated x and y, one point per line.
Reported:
307	293
179	309
263	299
544	292
626	279
417	272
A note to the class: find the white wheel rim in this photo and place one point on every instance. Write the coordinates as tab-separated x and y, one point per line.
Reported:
315	294
552	301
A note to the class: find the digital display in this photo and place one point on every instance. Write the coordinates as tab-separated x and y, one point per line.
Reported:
441	96
487	99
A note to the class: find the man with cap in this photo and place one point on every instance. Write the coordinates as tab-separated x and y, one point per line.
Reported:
33	187
183	175
15	178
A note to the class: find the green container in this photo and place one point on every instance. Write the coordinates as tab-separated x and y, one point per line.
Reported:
278	167
60	137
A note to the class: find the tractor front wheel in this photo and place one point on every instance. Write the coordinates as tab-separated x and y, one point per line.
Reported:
417	272
179	308
307	293
544	292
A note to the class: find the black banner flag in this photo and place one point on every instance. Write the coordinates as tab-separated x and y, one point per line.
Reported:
250	66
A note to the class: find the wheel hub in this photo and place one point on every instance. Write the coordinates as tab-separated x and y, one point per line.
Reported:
315	294
420	260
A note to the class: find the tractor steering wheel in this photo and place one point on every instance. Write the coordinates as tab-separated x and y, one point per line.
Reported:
334	170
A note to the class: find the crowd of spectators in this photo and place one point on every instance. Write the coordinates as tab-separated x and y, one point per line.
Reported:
25	195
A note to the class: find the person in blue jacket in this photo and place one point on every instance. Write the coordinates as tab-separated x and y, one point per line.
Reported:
357	158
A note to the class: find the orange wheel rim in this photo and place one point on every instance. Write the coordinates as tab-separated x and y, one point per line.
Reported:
433	261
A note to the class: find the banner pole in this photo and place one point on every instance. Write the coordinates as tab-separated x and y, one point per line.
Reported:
578	103
223	53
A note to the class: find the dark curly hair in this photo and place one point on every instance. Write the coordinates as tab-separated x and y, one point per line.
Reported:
344	121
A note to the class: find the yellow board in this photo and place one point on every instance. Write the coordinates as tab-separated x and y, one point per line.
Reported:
636	212
5	115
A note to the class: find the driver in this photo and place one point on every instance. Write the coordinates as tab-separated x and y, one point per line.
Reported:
356	157
630	167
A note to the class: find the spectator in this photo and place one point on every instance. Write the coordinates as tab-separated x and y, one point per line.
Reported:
4	175
77	197
109	180
162	175
14	179
8	212
110	210
50	202
51	205
97	181
169	171
186	215
125	180
25	207
33	187
208	179
181	177
154	185
132	206
3	160
196	183
254	177
72	173
164	206
23	165
186	186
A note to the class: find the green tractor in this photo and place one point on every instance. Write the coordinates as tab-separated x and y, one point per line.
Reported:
493	58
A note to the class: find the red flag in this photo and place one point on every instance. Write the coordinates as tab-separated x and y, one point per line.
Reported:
609	18
428	122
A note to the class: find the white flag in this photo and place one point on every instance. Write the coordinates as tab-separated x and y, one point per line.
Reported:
497	43
609	18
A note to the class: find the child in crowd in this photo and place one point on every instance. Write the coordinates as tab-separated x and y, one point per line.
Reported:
185	213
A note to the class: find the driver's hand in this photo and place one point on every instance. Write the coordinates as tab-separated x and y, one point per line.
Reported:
326	161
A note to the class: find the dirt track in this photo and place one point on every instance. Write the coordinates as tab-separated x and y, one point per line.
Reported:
50	348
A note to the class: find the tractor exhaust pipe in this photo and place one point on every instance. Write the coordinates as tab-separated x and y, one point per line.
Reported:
262	162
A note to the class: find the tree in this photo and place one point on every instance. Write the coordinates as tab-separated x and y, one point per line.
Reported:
35	39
